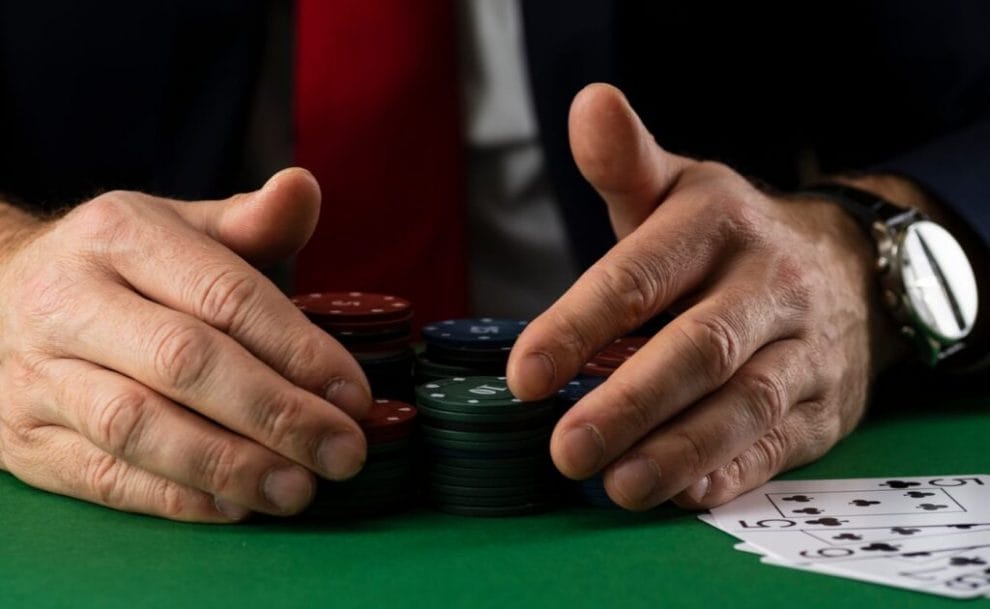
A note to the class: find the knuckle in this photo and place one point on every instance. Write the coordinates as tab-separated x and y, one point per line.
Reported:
772	451
121	423
571	335
104	477
279	420
725	483
633	285
792	286
696	455
215	465
305	358
182	354
226	298
105	216
170	497
766	397
715	344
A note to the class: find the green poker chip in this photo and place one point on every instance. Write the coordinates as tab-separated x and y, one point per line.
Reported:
521	509
533	469
540	433
491	448
492	502
486	463
520	480
535	411
452	490
473	395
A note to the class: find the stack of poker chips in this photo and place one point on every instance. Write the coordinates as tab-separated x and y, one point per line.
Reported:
375	328
608	360
466	347
387	481
590	491
486	452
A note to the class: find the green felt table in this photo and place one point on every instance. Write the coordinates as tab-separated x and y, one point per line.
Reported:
58	552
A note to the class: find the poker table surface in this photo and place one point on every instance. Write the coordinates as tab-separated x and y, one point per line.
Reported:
59	552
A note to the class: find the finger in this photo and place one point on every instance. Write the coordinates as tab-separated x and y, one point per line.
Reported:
64	462
264	226
708	435
619	157
673	254
137	425
799	440
193	364
208	281
689	358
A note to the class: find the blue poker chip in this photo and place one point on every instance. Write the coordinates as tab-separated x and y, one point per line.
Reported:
478	333
578	388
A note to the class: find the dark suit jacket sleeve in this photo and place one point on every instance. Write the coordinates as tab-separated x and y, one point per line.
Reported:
955	168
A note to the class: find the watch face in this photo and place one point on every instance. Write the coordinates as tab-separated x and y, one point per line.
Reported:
940	289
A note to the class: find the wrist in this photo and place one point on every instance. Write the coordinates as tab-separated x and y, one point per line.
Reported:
16	228
854	263
926	261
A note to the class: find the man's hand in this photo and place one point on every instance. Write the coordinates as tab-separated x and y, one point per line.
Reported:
767	364
146	366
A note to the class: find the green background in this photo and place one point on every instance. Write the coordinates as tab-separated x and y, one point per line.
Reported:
58	552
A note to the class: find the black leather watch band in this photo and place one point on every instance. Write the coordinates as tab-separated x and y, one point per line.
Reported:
866	207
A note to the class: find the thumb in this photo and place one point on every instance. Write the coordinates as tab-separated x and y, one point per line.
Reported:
263	226
619	157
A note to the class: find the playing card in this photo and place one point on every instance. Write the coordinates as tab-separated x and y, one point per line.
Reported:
814	546
957	572
840	504
855	517
930	534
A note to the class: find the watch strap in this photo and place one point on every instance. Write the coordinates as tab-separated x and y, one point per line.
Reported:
865	207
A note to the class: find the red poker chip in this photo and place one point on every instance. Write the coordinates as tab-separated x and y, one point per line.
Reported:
376	349
621	350
596	368
386	414
379	326
385	436
353	306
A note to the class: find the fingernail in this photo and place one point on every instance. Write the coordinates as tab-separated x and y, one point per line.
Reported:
584	450
341	455
539	373
348	396
288	489
697	491
637	480
230	510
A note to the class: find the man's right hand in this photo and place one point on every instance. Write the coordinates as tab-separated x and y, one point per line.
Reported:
146	366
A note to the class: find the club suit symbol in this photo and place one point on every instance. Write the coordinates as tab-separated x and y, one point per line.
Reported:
962	561
900	484
904	531
880	547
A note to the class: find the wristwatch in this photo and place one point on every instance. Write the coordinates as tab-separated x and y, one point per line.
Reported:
926	280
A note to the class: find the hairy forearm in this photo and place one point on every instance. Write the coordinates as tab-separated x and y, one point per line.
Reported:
15	225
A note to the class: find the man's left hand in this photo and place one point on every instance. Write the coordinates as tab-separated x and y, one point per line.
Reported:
766	366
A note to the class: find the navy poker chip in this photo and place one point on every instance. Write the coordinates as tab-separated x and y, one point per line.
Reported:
479	333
